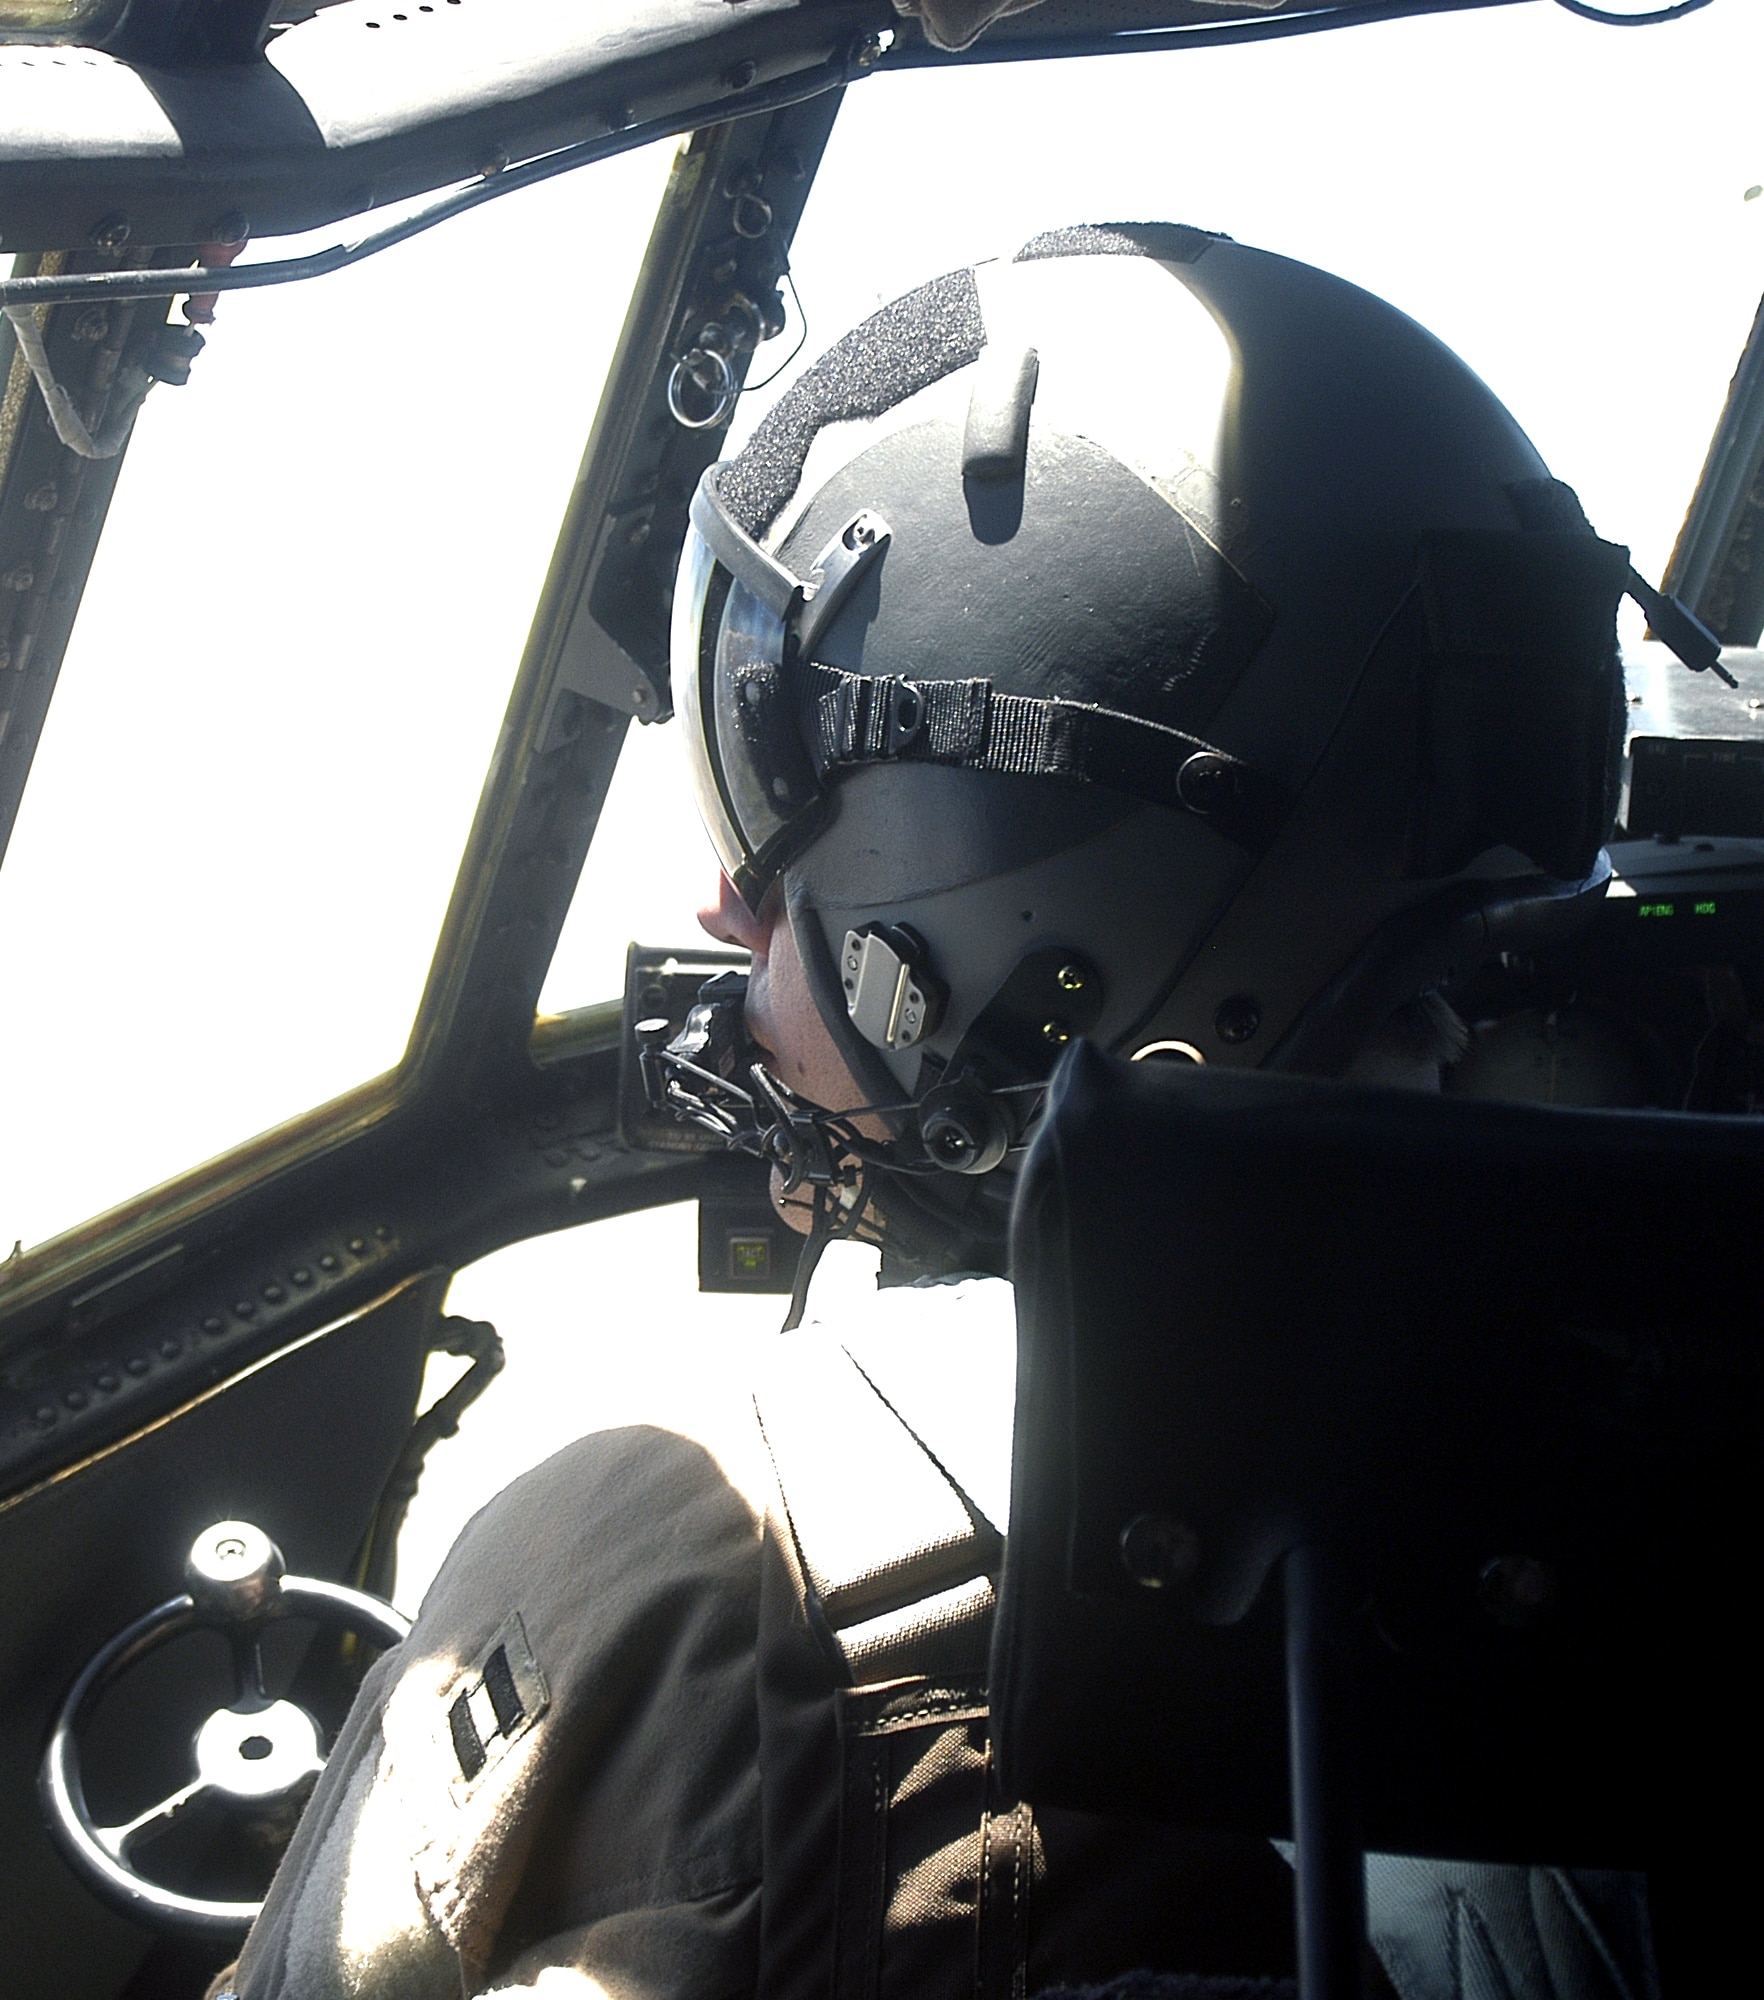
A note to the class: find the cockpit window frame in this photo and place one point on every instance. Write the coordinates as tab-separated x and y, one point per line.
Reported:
451	1127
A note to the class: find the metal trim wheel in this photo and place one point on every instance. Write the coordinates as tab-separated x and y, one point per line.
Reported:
250	1753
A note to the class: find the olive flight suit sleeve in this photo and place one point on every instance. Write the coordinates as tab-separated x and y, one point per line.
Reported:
552	1785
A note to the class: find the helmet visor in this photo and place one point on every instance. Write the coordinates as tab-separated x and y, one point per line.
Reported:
755	784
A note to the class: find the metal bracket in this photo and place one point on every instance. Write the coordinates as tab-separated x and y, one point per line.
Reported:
892	1000
838	570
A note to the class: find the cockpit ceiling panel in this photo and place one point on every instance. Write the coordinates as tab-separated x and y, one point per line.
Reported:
372	101
368	103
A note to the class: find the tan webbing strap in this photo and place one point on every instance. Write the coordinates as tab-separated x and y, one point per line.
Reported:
944	1636
879	1527
895	1561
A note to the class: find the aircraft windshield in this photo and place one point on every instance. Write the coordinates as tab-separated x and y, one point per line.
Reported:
273	722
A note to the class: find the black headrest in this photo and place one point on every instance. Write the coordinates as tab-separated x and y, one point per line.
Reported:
1503	1359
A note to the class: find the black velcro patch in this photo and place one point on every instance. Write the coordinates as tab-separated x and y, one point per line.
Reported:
499	1684
494	1702
894	354
1522	712
468	1745
1169	242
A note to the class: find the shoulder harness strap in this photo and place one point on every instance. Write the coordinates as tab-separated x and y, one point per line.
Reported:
897	1560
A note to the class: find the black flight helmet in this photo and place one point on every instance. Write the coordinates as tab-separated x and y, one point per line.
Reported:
1148	638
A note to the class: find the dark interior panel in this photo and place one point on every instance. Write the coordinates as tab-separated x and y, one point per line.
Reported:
301	1443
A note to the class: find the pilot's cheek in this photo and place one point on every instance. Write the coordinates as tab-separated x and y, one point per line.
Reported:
760	1014
728	919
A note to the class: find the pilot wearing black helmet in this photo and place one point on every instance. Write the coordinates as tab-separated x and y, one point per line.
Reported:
1147	638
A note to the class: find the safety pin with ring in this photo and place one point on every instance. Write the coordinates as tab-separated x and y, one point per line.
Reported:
721	387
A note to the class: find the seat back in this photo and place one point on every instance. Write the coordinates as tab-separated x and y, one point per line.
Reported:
1500	1361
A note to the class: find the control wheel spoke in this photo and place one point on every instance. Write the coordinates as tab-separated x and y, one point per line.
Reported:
248	1688
117	1840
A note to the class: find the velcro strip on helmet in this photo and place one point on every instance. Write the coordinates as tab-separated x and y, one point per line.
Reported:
894	354
1168	242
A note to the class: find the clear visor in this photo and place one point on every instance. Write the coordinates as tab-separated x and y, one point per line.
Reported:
755	784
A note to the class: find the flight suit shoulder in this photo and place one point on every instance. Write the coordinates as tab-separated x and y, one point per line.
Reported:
516	1773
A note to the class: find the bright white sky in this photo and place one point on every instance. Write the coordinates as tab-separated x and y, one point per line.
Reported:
249	803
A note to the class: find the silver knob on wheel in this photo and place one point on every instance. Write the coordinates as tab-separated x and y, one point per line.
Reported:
234	1571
